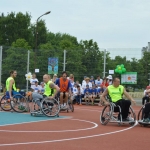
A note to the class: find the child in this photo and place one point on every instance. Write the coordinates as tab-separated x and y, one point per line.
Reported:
74	92
42	89
87	93
78	97
99	93
93	94
36	87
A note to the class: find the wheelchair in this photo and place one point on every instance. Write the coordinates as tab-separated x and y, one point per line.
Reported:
140	117
110	114
69	106
48	107
19	103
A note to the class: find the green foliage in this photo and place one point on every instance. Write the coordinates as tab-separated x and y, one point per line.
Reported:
15	26
83	58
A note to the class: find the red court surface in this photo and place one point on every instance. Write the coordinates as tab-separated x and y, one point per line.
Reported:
82	131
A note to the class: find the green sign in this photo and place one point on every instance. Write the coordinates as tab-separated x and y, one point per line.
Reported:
129	78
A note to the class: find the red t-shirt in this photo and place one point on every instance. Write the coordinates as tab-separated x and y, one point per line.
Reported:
105	84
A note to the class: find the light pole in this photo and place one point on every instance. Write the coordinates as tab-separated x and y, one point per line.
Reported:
149	75
37	36
104	71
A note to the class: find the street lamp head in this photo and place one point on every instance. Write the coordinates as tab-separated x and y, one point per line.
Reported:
47	12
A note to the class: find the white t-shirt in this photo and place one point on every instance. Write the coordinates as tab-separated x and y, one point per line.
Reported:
32	81
42	89
75	90
36	88
83	82
98	82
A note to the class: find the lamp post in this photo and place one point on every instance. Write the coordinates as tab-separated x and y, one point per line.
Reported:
37	35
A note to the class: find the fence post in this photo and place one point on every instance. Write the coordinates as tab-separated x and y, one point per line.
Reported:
0	66
64	64
28	63
104	71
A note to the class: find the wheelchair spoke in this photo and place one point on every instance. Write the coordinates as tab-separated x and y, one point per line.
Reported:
5	104
50	107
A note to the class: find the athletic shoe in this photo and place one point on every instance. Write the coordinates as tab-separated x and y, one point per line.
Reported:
128	119
146	120
93	103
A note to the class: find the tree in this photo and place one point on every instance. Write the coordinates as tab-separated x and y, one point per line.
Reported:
16	59
92	57
15	26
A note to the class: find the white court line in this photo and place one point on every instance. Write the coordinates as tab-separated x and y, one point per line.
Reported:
69	139
95	126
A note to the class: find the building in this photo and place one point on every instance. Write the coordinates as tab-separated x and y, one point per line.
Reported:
129	53
145	49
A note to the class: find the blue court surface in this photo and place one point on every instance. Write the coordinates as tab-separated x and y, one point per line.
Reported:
9	118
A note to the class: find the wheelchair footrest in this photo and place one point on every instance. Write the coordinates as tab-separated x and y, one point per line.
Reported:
36	113
144	123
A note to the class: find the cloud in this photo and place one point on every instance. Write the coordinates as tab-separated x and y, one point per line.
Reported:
111	23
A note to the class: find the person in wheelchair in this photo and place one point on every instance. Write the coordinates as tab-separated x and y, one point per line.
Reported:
10	85
49	86
146	96
65	89
146	109
116	91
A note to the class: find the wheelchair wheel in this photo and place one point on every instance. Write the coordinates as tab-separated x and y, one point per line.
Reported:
50	107
19	103
106	115
140	114
132	115
5	104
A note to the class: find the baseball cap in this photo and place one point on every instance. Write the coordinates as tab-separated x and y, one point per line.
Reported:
109	77
92	77
42	83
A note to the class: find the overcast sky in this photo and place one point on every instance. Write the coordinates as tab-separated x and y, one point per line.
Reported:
111	23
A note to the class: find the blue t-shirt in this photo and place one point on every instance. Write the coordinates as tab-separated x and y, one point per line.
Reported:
99	90
87	91
93	91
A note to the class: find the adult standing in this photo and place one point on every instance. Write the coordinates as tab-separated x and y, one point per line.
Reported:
87	82
54	78
109	79
99	81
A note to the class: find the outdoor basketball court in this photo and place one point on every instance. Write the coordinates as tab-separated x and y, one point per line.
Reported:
78	130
